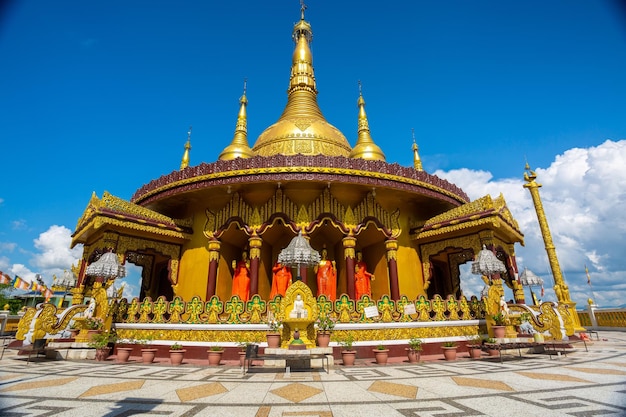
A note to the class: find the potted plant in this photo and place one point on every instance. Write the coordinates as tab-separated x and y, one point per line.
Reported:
381	353
325	326
123	351
243	346
94	326
348	354
475	347
499	327
74	330
273	335
449	350
490	351
414	349
147	353
176	354
101	342
215	355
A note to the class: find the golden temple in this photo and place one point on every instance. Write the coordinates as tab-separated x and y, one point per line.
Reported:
188	229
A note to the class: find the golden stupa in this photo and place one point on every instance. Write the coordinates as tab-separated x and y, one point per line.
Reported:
188	229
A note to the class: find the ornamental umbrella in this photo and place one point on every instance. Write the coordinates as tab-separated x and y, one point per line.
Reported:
107	266
528	278
298	252
487	264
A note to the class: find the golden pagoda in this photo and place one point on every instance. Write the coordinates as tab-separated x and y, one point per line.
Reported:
189	229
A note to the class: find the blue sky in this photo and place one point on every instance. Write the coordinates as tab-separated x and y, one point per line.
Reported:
99	96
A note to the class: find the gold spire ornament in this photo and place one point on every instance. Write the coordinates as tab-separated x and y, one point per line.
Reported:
417	162
184	163
302	129
560	288
239	147
365	147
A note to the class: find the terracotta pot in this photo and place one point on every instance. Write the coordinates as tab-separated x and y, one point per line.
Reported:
323	339
147	355
176	356
74	333
475	352
449	353
381	356
215	357
123	353
92	333
242	358
273	340
493	352
102	353
348	357
413	355
499	331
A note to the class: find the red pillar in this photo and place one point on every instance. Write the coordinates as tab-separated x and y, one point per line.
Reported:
392	264
255	258
349	242
214	257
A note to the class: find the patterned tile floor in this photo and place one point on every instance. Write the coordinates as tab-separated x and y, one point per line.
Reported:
580	384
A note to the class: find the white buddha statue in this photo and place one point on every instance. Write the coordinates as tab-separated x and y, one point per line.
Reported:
298	311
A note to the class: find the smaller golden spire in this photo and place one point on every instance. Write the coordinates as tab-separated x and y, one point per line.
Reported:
365	147
417	162
239	147
185	162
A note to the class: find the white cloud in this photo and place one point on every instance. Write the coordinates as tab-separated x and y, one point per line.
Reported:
7	246
583	195
54	254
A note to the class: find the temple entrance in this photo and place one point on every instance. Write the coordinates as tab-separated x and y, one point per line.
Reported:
155	273
446	275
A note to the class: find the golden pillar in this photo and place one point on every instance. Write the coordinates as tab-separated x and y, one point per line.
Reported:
560	288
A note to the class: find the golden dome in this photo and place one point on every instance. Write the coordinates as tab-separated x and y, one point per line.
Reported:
302	129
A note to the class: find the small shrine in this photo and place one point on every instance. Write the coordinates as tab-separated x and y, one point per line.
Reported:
299	311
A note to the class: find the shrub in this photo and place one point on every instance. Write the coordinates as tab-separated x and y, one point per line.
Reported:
415	344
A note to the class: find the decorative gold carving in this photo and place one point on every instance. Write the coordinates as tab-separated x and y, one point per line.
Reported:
303	170
255	243
349	242
392	249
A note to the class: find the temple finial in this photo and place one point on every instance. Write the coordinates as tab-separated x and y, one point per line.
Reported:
302	9
239	147
417	162
365	147
185	161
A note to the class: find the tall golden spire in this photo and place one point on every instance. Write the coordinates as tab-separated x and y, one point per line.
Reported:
239	147
417	162
365	147
560	287
302	128
184	163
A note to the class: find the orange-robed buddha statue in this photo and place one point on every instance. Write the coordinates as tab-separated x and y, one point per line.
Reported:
362	278
326	277
281	280
241	278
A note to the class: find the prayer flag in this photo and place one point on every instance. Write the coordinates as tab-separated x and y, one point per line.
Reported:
21	284
48	294
4	278
588	277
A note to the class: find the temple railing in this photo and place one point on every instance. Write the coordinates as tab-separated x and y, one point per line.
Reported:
596	318
257	310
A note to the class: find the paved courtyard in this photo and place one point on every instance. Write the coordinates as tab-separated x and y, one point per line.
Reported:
580	384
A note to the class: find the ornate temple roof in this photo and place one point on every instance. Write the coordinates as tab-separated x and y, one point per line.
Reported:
475	214
117	213
302	128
